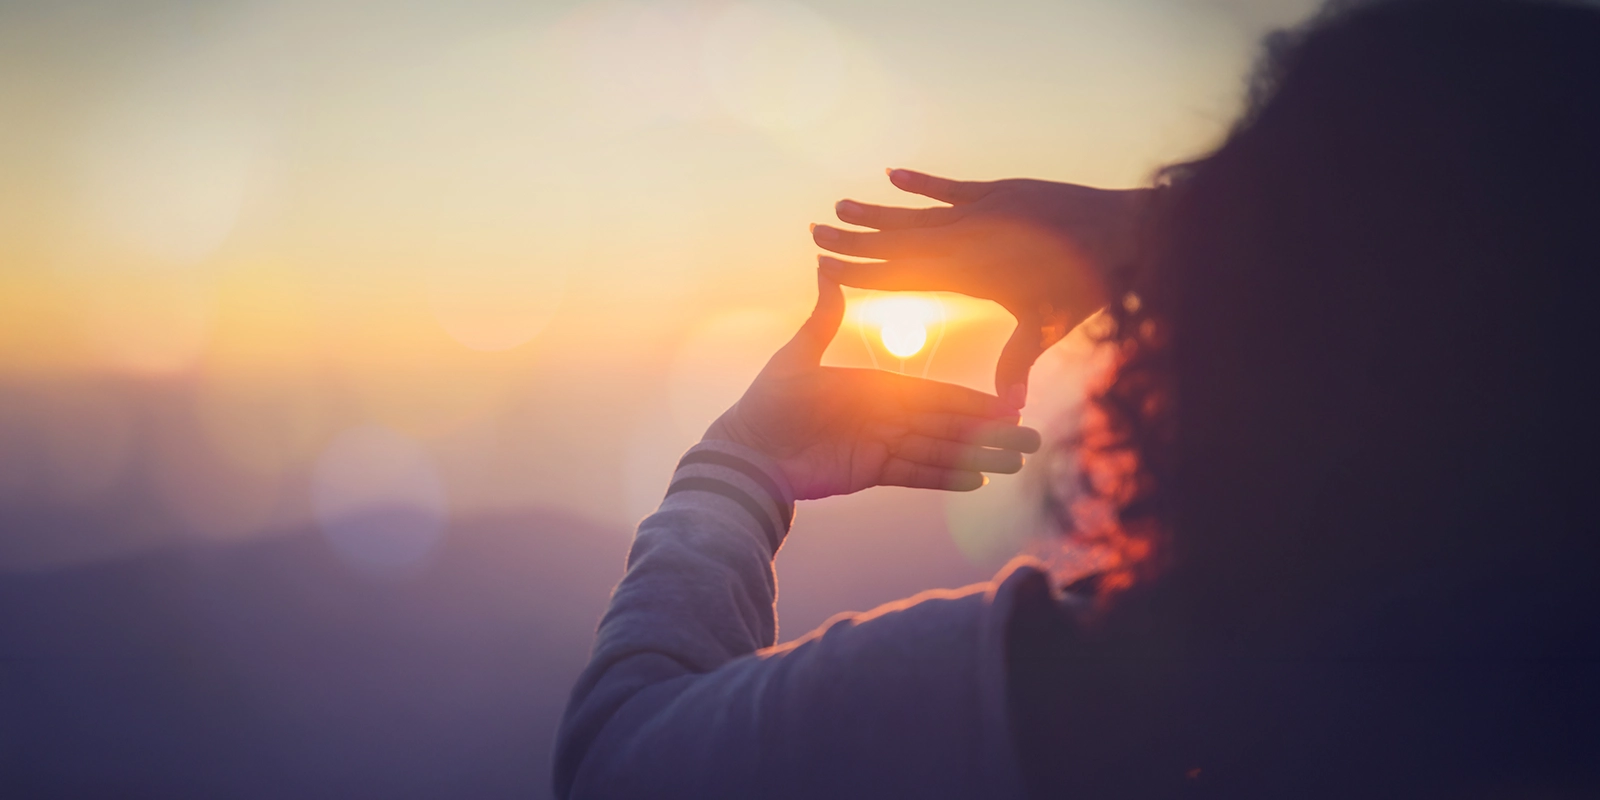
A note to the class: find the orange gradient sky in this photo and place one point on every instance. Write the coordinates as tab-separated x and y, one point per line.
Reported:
524	251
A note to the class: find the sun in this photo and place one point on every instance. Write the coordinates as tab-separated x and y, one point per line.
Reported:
903	338
902	322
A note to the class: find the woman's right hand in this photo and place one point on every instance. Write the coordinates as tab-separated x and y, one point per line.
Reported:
833	430
1041	250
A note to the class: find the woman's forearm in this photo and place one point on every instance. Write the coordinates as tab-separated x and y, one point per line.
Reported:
687	697
699	591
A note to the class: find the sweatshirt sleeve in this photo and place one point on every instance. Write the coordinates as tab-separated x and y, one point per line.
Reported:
686	696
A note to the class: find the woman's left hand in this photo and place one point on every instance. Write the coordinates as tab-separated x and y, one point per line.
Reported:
835	431
1042	250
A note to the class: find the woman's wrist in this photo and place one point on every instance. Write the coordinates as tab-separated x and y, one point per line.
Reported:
729	427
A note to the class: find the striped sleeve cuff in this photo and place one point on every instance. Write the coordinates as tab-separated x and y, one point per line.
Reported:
742	476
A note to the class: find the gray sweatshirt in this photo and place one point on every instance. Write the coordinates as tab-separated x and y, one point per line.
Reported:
687	696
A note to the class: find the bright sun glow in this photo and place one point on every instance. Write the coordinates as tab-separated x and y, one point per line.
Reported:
902	321
902	338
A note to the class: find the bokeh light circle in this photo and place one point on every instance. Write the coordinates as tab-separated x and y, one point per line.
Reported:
379	500
878	118
773	65
165	163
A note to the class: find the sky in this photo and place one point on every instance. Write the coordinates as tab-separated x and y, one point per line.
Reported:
342	345
266	263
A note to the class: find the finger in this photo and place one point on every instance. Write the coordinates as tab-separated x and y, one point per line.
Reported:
982	431
941	189
956	455
879	244
1016	361
907	396
891	218
886	432
900	472
818	330
900	275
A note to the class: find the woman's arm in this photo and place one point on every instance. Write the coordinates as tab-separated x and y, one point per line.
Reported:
698	593
686	696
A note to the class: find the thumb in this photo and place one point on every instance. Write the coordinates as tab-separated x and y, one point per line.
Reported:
1016	360
818	331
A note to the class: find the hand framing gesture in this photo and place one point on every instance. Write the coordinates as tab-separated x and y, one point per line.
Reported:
1039	249
835	431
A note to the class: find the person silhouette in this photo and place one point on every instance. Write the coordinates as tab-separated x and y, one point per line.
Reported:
1338	478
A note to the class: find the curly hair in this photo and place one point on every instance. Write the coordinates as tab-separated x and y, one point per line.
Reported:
1307	297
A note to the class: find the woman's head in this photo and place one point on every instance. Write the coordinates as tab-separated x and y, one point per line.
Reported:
1359	356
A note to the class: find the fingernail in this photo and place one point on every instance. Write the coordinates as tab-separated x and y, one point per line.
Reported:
895	174
847	207
824	232
1017	396
827	266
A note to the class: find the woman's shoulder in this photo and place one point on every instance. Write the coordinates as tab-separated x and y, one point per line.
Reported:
918	681
971	619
